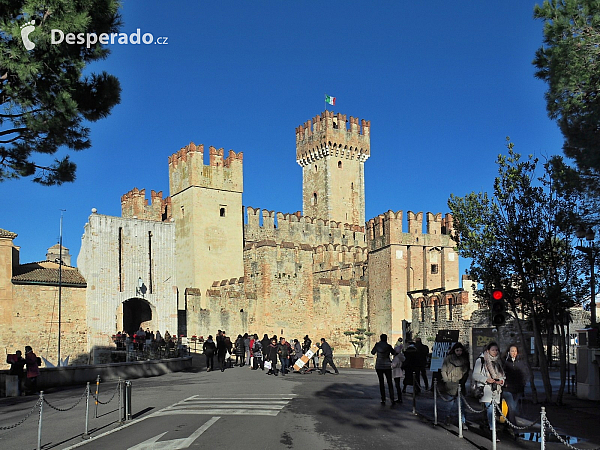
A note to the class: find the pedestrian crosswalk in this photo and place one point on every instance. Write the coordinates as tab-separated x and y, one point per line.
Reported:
268	405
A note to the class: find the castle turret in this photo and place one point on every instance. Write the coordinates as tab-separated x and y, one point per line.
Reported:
207	209
332	151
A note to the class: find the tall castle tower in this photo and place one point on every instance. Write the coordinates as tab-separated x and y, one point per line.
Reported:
332	151
207	209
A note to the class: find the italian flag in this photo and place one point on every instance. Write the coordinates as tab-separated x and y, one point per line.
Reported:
329	99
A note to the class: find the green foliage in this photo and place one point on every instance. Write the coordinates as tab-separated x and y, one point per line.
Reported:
569	61
357	338
45	97
522	237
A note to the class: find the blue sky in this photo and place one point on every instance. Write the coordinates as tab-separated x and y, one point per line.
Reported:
443	84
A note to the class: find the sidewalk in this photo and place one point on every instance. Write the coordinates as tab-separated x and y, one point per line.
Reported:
577	421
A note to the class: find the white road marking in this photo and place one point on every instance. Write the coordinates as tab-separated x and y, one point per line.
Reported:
173	444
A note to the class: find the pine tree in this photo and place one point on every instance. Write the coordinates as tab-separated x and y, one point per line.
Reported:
45	97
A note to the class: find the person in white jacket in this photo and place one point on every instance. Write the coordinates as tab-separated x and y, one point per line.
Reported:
488	372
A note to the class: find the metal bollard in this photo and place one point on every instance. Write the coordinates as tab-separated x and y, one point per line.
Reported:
543	429
493	423
121	401
87	410
460	422
414	394
435	421
97	391
39	442
128	387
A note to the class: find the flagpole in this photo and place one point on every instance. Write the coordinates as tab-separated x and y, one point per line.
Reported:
60	284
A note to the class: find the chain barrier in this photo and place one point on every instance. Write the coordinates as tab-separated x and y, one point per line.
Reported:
69	408
10	427
440	395
512	425
559	437
110	400
476	411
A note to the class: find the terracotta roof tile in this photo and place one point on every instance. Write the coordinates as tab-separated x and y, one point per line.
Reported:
47	272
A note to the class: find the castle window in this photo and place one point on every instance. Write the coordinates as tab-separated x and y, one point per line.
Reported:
449	309
434	268
335	125
435	310
314	198
351	185
222	211
316	168
339	164
423	311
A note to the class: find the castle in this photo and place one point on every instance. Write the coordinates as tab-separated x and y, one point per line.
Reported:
198	260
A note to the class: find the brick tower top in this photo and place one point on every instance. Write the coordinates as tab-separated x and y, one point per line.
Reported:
331	132
186	169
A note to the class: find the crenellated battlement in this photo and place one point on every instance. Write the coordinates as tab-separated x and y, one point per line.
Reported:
135	205
186	169
387	228
294	227
332	134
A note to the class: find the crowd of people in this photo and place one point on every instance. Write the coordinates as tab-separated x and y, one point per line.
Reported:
266	353
144	340
494	377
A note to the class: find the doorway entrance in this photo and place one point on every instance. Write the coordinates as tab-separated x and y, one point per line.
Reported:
136	313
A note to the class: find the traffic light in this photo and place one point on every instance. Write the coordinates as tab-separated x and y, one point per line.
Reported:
498	307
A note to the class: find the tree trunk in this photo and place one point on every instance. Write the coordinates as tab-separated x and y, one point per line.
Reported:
534	398
563	362
539	345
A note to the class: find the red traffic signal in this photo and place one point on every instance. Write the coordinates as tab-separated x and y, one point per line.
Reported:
498	308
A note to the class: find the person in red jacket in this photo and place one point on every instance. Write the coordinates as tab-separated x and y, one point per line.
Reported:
33	371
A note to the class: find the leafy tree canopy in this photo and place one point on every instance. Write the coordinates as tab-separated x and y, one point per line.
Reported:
45	98
569	61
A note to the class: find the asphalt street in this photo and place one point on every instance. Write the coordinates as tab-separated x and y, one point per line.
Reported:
238	408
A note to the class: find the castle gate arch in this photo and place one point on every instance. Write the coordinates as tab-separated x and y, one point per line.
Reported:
135	313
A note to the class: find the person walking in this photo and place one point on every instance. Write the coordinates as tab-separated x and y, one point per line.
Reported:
383	366
297	353
423	352
488	372
221	350
283	351
247	349
327	357
265	342
397	371
33	370
410	368
271	356
208	348
455	372
516	372
257	356
240	352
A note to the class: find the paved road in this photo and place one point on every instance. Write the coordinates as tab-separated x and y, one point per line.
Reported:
238	408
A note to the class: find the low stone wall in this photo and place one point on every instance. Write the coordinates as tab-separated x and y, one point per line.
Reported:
73	375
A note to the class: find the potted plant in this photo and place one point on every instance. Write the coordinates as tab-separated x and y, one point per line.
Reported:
357	339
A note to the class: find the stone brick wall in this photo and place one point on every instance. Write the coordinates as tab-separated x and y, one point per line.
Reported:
32	319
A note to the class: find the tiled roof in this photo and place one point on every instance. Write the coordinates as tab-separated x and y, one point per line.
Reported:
47	272
7	234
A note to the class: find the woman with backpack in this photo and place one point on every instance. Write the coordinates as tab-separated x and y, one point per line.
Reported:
489	374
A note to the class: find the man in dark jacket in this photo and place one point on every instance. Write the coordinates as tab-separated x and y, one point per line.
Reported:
283	350
423	352
383	366
327	357
516	372
208	348
410	366
221	350
271	356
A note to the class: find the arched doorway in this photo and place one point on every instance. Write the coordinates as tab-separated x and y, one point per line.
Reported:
136	312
